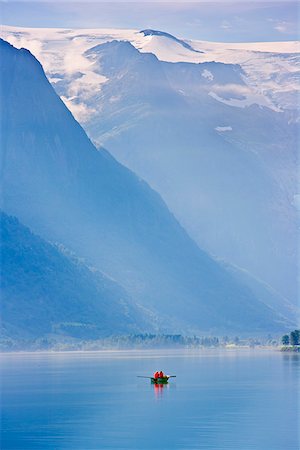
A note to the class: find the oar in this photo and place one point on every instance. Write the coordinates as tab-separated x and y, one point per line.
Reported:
168	376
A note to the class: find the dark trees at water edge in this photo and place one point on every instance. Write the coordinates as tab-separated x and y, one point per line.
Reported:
295	337
292	339
285	339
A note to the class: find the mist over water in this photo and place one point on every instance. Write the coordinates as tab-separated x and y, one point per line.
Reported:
225	400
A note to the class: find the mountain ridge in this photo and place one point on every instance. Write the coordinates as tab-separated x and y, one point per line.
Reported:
56	182
260	63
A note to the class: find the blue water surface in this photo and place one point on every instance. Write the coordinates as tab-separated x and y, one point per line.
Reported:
220	400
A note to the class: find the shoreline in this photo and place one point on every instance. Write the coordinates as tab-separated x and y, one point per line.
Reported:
150	351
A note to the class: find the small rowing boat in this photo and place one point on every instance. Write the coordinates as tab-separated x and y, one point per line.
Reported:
159	380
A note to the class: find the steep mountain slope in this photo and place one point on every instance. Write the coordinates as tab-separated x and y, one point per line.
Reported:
226	169
55	181
43	292
211	126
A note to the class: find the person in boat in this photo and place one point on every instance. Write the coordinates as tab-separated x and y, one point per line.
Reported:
159	375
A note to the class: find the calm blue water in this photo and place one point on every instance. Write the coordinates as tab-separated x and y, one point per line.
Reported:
233	400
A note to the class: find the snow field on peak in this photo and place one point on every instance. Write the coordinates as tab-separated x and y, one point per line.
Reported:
271	68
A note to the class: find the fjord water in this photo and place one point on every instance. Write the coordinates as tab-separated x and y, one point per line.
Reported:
221	400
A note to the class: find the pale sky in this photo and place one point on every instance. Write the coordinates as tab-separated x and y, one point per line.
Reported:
236	21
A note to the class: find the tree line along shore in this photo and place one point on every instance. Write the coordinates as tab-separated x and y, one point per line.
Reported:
138	341
291	342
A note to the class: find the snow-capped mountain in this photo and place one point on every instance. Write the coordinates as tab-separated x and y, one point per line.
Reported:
57	183
211	126
271	68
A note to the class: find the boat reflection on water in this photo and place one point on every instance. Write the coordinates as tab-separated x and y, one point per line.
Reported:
159	388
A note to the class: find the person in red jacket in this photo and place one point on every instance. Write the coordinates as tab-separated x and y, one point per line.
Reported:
156	375
161	374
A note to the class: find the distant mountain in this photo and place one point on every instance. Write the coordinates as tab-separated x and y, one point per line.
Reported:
184	44
215	133
56	182
225	168
46	293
